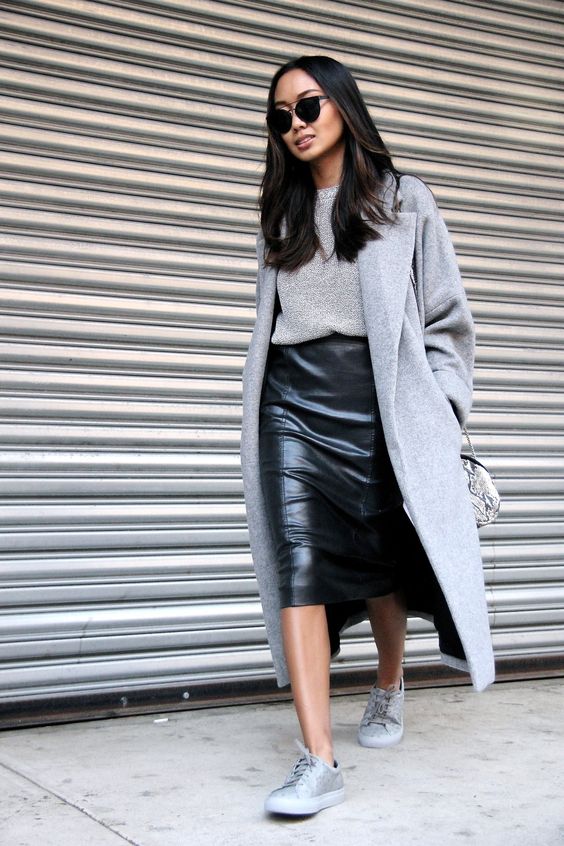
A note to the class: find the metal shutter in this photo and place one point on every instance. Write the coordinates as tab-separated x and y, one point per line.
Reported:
132	143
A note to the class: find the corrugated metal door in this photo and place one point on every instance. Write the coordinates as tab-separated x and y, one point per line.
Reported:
132	138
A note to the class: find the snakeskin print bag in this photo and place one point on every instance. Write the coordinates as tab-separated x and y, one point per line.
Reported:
483	493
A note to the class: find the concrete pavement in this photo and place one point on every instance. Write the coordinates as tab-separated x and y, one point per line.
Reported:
472	768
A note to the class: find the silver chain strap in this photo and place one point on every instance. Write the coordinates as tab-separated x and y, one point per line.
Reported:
467	436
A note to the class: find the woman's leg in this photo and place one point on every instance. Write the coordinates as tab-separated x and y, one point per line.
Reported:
388	620
308	655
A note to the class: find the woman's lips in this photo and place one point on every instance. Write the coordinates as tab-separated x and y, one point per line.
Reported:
304	143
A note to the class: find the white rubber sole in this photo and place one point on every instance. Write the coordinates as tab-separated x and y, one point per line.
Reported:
300	807
380	741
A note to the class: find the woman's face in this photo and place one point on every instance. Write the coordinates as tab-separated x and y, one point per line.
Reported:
316	142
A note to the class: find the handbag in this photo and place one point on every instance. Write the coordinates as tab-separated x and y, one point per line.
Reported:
484	495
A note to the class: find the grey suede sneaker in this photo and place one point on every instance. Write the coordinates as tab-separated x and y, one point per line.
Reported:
311	786
382	723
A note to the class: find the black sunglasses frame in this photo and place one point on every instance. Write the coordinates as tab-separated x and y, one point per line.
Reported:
307	109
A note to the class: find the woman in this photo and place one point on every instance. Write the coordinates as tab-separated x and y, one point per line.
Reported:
357	382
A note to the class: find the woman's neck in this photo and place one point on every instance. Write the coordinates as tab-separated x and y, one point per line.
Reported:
327	172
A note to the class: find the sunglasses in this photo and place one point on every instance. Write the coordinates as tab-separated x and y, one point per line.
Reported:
307	109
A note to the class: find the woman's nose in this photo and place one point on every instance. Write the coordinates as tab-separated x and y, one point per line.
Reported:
297	122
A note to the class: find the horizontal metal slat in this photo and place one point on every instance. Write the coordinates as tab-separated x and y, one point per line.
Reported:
144	334
189	28
497	24
520	419
118	409
174	483
543	358
528	530
133	153
143	565
528	314
155	592
127	537
133	618
177	91
38	512
118	462
62	225
249	662
143	181
542	444
521	465
474	233
505	563
156	157
519	334
188	123
509	641
171	54
124	308
132	646
75	358
203	437
237	208
160	484
138	180
234	213
109	646
108	383
526	519
519	377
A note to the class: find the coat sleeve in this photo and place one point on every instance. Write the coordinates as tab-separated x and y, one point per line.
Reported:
448	327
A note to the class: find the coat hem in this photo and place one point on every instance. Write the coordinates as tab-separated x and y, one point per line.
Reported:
479	683
455	663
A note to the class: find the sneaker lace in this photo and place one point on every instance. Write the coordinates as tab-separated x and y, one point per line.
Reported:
383	707
301	766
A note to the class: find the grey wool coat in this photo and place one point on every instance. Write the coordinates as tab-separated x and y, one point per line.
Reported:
421	341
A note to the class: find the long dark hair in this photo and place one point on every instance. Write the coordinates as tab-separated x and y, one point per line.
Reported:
287	188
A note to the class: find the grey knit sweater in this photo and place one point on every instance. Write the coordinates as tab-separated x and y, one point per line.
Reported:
323	296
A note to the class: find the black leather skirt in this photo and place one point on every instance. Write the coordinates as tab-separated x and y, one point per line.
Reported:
330	490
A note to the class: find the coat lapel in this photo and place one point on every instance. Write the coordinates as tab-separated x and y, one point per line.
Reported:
384	270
